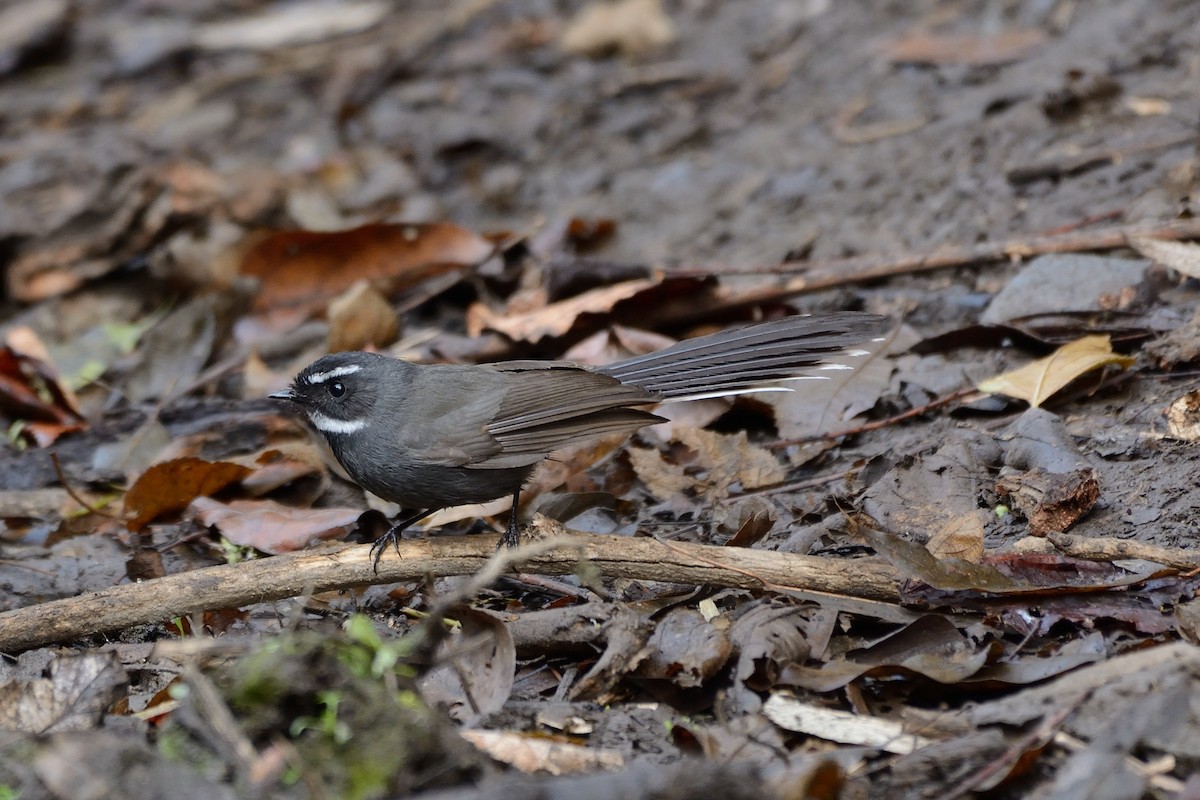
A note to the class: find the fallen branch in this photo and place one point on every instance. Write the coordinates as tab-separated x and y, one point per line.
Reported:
854	269
813	276
1104	549
295	574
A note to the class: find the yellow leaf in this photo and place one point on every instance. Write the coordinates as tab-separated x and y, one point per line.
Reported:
1036	382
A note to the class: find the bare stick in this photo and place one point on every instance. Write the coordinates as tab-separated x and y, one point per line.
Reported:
293	574
62	478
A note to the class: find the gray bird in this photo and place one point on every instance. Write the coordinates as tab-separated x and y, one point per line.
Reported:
432	436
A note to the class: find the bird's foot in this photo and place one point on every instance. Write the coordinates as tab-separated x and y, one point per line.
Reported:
392	537
511	536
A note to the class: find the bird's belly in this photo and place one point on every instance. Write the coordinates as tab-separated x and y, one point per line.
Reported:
429	486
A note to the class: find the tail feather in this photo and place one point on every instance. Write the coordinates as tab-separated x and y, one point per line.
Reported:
752	359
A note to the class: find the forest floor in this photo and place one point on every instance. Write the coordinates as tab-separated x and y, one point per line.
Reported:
967	567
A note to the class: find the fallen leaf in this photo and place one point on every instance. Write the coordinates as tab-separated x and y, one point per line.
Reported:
299	271
174	351
1183	417
730	458
960	537
843	727
1036	382
615	343
29	389
662	478
965	48
286	464
535	754
361	317
172	485
272	528
632	27
930	645
74	696
289	25
44	434
554	319
475	669
685	649
756	521
1180	256
766	637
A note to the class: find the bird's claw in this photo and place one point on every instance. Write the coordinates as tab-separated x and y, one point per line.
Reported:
379	545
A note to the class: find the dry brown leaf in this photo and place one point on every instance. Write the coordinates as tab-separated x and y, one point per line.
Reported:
288	25
1036	382
685	649
285	464
361	317
960	537
615	343
730	458
968	48
556	318
662	479
74	695
535	753
299	271
31	391
1148	106
172	485
273	528
632	27
1183	417
1181	256
474	670
844	727
259	380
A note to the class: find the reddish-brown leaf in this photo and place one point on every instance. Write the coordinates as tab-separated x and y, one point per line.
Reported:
302	270
29	388
273	528
170	486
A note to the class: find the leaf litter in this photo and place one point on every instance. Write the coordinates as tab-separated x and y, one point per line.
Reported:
176	249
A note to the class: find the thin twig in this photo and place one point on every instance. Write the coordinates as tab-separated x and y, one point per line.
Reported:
875	425
62	478
842	271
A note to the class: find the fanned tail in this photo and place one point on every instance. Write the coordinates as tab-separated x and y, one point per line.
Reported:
758	358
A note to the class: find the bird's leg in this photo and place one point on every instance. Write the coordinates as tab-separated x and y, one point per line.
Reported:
512	536
393	535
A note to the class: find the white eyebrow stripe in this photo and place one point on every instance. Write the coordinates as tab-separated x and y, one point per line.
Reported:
336	372
327	424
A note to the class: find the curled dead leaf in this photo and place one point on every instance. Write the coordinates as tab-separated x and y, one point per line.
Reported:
1036	382
1180	256
960	537
29	384
299	271
172	485
361	317
554	319
272	528
632	27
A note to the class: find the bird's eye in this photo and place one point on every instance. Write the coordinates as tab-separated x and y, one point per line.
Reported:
337	388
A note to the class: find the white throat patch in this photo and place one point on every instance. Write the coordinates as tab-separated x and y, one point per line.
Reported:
336	372
326	424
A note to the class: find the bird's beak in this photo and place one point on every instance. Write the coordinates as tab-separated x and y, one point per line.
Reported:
283	394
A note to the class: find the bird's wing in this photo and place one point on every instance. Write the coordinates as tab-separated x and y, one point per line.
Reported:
549	405
513	414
